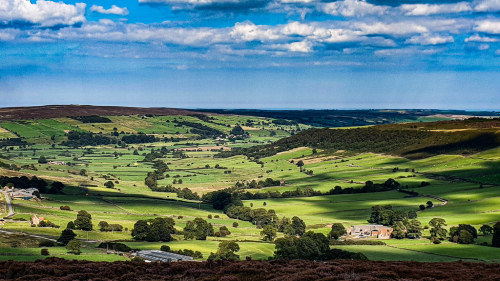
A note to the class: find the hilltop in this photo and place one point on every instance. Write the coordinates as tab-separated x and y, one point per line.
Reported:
58	111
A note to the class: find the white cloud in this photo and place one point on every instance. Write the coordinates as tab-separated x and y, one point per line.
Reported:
45	13
487	5
477	38
351	8
433	9
297	28
497	52
248	31
406	52
397	28
427	39
488	26
114	10
302	47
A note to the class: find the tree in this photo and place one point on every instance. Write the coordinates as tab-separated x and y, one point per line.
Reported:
56	188
429	204
414	229
486	229
399	230
74	246
337	231
198	229
44	252
140	231
70	225
66	236
495	242
226	251
412	214
296	227
268	233
109	184
224	231
42	160
237	131
300	163
465	237
83	172
83	221
235	224
437	229
103	226
455	231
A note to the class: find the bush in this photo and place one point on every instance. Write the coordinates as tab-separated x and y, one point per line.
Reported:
65	208
44	252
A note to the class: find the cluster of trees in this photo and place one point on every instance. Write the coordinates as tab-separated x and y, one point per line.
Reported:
311	246
115	246
83	221
139	138
12	142
185	192
198	229
92	119
185	252
202	130
258	184
104	226
237	132
24	182
226	251
153	230
463	233
80	139
404	223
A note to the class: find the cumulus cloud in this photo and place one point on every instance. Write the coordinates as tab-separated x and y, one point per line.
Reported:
477	38
248	31
487	5
296	47
433	9
114	10
428	39
396	28
352	8
8	34
44	13
488	26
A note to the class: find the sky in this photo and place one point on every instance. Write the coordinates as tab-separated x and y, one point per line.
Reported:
251	54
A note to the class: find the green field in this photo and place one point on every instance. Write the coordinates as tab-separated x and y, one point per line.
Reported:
467	182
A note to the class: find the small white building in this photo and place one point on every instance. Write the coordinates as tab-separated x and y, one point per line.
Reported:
25	194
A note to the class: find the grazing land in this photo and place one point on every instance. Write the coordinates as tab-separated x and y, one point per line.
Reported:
124	165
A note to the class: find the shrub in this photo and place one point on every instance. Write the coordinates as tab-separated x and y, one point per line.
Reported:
44	252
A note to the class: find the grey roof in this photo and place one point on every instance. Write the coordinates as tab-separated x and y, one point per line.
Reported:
156	255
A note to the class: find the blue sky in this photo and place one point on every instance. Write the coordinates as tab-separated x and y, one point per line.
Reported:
251	54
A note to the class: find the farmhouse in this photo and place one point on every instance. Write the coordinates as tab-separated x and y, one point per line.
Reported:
35	220
371	230
25	194
161	256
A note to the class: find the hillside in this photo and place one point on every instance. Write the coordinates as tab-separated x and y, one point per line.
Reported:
58	111
412	140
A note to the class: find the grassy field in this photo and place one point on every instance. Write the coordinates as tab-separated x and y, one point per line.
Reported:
468	184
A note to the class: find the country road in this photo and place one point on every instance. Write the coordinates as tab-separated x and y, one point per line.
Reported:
9	204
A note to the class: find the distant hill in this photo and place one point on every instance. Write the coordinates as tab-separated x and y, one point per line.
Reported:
411	140
359	117
57	111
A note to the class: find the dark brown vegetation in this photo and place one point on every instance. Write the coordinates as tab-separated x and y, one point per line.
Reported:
59	269
57	111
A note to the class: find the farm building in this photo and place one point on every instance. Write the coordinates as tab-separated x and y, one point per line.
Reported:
161	256
35	220
62	163
25	194
371	230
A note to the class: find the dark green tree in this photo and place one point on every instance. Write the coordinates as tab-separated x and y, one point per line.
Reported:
437	228
399	230
83	221
74	246
226	251
337	231
66	236
268	233
495	242
140	231
486	229
42	160
465	237
414	229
